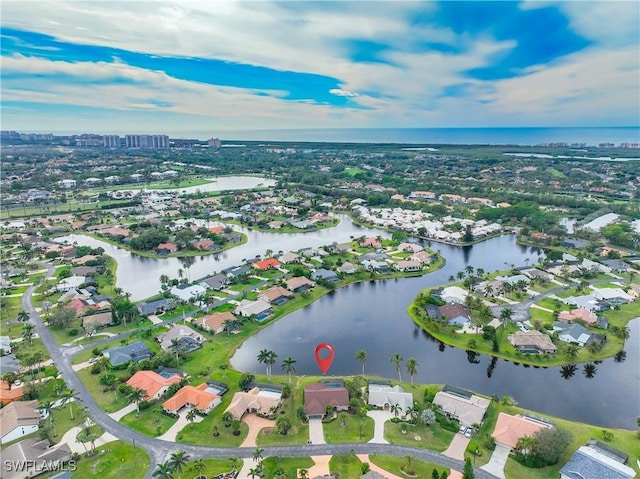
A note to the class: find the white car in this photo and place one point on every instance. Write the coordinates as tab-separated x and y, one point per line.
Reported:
462	429
468	432
17	382
93	360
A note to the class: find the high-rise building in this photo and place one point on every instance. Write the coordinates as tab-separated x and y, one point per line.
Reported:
215	143
147	141
111	141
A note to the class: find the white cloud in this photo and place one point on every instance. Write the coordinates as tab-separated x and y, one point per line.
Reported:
341	92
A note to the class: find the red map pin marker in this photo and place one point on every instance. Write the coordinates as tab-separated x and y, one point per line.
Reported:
324	363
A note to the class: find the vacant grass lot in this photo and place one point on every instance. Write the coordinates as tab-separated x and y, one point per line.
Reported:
349	428
151	421
119	460
289	464
393	463
428	437
347	465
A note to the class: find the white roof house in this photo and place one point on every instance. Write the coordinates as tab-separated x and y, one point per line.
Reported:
72	282
610	293
385	396
454	294
187	291
247	308
468	409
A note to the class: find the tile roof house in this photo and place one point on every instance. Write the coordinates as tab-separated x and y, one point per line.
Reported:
581	314
408	265
260	309
10	392
18	419
371	242
188	339
98	320
592	463
317	396
289	257
153	384
297	284
215	322
266	264
510	428
167	248
462	405
36	455
455	311
532	342
275	295
255	400
190	396
135	352
347	268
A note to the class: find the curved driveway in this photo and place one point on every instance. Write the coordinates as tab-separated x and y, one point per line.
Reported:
159	450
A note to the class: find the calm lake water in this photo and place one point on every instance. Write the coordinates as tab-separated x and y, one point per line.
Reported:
372	316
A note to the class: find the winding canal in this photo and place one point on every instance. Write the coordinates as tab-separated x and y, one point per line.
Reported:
372	316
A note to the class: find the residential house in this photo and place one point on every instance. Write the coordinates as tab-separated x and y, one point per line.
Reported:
153	384
572	333
371	242
261	401
187	292
574	243
376	266
317	396
612	295
275	295
410	248
9	364
532	342
421	256
384	396
341	248
18	419
166	248
72	282
156	307
135	352
266	264
5	345
10	392
454	294
237	271
188	339
215	322
509	429
201	398
325	274
616	265
578	314
347	268
98	320
260	309
204	245
289	257
299	284
302	224
455	314
409	265
590	462
36	456
462	405
217	282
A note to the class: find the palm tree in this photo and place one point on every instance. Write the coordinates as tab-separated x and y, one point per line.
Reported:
263	356
191	415
412	368
175	346
304	474
505	317
68	396
163	471
271	360
136	395
28	331
396	409
361	356
396	359
23	316
572	351
199	466
254	472
178	461
257	456
287	366
469	270
451	279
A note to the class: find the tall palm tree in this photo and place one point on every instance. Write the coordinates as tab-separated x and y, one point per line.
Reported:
68	396
191	416
271	360
175	346
257	455
572	351
23	316
254	472
361	357
199	466
136	396
287	366
163	471
396	359
412	368
396	409
28	330
263	356
178	461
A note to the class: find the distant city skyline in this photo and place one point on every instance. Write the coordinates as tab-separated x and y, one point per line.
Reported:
169	67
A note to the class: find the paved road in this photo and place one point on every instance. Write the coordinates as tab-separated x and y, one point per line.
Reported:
159	450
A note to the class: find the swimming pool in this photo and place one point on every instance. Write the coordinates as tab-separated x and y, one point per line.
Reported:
271	394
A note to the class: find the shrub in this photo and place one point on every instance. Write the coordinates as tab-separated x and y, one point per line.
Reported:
73	332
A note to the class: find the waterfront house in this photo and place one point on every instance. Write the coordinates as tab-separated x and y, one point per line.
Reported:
260	309
532	342
299	284
259	400
462	405
153	384
215	322
187	292
216	282
325	274
317	396
156	307
384	396
590	462
509	429
275	295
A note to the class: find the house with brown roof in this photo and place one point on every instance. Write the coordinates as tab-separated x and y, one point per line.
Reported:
578	314
408	265
204	244
532	342
215	322
167	248
98	320
275	295
10	392
152	383
256	400
371	242
36	456
298	284
317	396
455	313
510	428
197	397
187	338
18	419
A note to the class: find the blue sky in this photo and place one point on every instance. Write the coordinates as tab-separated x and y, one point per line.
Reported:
199	65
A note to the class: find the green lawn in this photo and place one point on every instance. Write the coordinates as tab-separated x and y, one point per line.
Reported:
118	460
428	437
9	309
392	464
289	464
213	467
349	428
151	421
110	401
347	465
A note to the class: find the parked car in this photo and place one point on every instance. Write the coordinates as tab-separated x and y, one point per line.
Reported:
462	429
468	432
93	360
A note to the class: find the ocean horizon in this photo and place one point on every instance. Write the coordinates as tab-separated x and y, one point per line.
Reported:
591	136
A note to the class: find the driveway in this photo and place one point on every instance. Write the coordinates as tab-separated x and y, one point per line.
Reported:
256	424
497	462
387	475
379	418
179	425
316	431
321	466
123	412
69	438
457	447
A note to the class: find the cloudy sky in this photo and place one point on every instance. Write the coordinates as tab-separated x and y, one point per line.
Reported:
178	66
